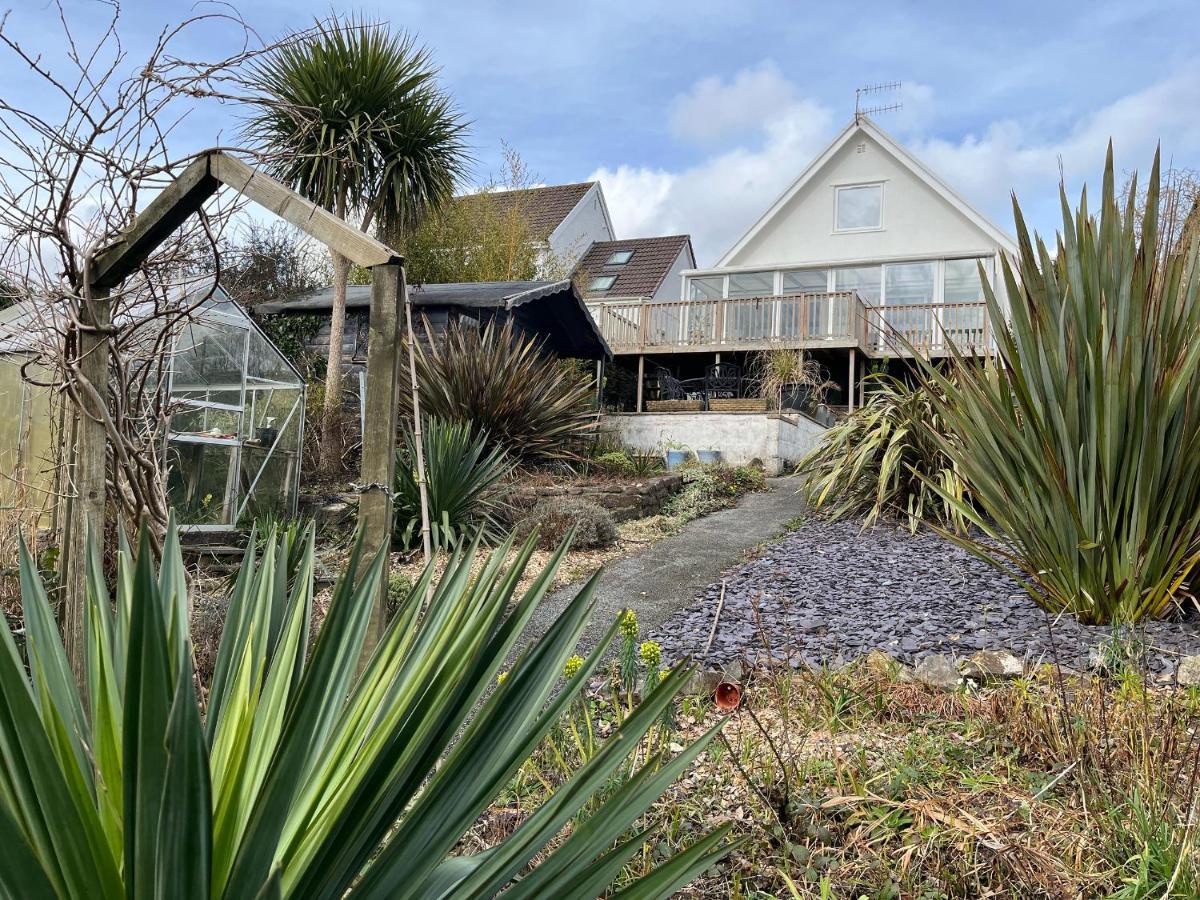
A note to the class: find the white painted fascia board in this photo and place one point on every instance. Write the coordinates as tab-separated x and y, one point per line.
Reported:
793	189
951	196
562	226
868	127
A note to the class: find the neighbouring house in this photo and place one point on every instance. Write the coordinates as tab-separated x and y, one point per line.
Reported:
235	408
636	269
565	218
552	311
866	257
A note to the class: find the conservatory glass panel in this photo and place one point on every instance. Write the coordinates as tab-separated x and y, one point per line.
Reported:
910	285
813	310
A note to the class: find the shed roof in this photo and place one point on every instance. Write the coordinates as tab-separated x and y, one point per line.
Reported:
553	309
646	270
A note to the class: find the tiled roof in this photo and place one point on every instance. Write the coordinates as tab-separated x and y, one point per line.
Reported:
644	273
544	208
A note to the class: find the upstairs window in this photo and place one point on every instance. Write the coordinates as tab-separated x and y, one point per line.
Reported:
602	282
858	207
620	258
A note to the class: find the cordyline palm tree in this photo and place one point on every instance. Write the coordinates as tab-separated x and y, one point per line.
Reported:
353	119
299	779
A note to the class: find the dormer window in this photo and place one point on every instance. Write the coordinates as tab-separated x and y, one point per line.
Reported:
858	207
602	283
620	258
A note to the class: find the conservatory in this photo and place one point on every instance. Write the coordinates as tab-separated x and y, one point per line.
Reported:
236	423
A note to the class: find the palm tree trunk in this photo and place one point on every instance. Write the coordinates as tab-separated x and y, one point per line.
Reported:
331	412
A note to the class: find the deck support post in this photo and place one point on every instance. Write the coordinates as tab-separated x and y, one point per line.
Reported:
853	372
84	521
641	378
379	439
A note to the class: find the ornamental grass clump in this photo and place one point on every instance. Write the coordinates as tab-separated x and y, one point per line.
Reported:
315	773
1082	442
887	458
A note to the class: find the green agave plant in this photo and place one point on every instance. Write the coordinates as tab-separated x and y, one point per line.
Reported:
885	458
461	475
1082	442
309	774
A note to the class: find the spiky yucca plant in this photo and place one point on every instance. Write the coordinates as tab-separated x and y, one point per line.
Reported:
461	477
884	458
305	777
1082	442
505	384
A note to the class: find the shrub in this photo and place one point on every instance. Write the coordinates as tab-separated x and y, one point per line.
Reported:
615	462
1082	442
461	476
398	589
886	458
306	777
502	382
708	487
555	516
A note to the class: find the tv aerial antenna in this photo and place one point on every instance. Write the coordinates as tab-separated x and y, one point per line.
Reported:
883	87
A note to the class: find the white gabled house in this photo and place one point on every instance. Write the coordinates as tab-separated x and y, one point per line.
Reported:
866	243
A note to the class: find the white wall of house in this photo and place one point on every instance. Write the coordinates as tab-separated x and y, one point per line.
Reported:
917	221
673	283
923	245
586	223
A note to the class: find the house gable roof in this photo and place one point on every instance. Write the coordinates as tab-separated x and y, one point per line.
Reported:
651	262
543	208
864	125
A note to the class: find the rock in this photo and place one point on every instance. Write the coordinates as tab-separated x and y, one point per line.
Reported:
1188	670
702	683
938	671
989	665
879	663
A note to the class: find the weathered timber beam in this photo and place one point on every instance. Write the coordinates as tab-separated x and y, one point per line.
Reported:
166	212
199	181
305	215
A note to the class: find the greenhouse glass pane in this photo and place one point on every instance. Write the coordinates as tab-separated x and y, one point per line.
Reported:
200	482
208	354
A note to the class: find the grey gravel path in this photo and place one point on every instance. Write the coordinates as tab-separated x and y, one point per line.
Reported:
668	575
828	591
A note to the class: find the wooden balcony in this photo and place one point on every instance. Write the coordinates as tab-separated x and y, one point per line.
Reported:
812	321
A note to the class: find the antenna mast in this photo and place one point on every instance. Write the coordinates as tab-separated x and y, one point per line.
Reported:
880	88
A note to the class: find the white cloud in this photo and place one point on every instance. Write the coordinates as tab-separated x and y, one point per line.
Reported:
718	198
714	108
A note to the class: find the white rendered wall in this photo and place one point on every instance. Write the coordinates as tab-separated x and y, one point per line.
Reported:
583	226
774	441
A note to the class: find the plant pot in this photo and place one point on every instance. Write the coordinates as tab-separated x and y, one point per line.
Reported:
676	458
708	456
795	396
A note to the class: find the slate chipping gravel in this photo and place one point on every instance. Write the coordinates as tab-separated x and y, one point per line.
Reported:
828	593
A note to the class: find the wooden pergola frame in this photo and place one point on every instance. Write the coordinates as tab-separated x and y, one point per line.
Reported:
112	264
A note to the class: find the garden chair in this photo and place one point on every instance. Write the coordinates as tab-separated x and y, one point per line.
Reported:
723	381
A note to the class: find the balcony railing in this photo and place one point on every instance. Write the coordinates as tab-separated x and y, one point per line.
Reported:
842	319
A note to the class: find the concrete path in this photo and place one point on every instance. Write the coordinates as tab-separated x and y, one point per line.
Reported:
668	575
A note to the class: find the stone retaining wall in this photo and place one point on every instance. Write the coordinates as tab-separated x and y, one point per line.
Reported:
625	500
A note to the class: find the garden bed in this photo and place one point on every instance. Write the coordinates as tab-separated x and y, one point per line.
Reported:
829	592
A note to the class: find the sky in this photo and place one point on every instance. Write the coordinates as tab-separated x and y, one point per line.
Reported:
695	116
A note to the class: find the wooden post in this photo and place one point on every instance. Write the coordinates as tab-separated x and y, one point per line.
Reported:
641	380
600	385
850	381
85	520
379	440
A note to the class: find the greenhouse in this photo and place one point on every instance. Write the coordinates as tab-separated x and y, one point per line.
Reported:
233	445
236	417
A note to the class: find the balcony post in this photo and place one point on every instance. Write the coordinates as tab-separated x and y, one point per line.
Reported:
850	378
641	380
